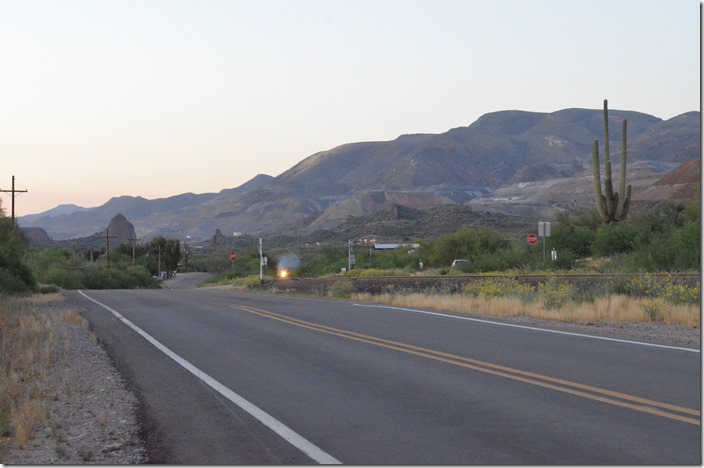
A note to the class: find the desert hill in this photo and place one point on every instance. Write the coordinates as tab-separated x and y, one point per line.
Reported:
529	163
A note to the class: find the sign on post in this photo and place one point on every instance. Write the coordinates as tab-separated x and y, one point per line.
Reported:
532	239
544	229
233	256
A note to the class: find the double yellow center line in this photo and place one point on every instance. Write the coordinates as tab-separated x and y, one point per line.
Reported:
644	405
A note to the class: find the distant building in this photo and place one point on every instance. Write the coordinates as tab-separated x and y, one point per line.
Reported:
394	246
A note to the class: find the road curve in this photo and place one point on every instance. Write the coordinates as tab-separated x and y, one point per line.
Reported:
377	385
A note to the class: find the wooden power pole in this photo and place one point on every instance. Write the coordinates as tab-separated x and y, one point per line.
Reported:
107	244
13	193
133	241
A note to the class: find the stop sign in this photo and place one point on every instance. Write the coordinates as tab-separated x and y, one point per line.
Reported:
532	239
233	255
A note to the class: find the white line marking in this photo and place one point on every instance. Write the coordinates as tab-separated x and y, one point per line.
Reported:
269	421
531	328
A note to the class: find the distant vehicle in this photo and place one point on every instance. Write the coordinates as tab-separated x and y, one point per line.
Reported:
459	261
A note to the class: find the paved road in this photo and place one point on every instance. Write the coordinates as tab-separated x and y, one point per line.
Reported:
186	280
328	381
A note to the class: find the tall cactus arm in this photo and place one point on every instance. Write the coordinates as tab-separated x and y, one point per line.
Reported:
624	201
626	204
608	182
606	129
598	197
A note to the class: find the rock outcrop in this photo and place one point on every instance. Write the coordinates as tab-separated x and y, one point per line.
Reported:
120	231
37	237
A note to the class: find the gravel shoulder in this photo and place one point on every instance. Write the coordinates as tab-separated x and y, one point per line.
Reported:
647	332
94	418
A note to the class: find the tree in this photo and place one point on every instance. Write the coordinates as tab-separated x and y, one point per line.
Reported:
15	275
163	254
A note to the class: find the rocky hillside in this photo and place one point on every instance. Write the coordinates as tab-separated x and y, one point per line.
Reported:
119	231
395	224
527	163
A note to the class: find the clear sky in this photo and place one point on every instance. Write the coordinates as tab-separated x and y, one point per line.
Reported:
154	98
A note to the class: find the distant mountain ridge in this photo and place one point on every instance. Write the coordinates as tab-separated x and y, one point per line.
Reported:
59	210
502	151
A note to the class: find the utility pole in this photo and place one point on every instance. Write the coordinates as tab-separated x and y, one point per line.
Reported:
133	241
350	256
261	261
185	252
13	193
107	244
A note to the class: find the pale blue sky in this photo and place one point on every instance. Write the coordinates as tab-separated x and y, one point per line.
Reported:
161	97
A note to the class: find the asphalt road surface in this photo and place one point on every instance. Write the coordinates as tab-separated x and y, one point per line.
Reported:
232	378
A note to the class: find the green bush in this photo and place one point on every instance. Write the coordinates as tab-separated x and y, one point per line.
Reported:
686	245
15	275
63	278
615	238
341	289
501	287
555	294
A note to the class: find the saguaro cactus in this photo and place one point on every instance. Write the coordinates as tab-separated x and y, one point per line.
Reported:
612	206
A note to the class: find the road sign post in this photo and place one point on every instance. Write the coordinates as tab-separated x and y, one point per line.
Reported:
544	231
233	256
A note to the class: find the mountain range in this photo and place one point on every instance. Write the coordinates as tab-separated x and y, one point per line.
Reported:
528	163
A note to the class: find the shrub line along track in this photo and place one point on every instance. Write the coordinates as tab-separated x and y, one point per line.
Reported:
448	283
520	278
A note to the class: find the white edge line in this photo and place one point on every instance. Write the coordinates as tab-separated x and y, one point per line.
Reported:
305	446
594	337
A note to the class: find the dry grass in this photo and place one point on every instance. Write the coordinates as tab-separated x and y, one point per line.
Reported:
27	342
612	309
74	317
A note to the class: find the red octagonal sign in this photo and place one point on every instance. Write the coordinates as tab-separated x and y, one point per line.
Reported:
532	239
233	255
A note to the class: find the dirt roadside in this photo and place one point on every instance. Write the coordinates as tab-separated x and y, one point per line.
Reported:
92	417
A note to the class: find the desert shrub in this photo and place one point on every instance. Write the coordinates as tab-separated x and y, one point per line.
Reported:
463	244
63	278
247	282
650	287
341	289
576	239
655	255
48	289
15	275
554	294
370	272
651	308
615	238
686	245
493	288
328	260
